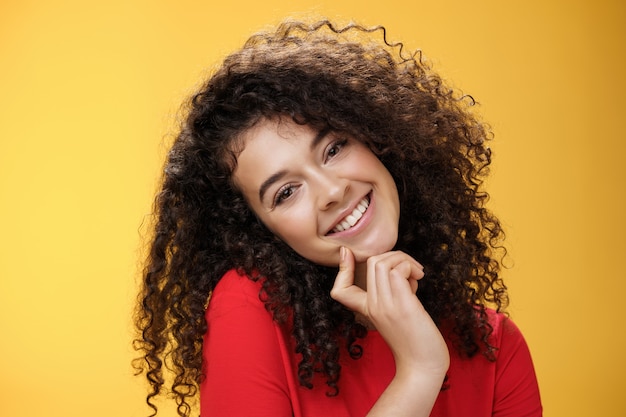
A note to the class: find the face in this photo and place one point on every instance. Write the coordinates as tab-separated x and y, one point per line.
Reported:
318	191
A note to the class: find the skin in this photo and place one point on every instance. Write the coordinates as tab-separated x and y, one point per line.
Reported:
318	179
301	183
419	350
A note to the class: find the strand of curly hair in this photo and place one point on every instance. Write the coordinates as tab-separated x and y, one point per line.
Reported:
329	78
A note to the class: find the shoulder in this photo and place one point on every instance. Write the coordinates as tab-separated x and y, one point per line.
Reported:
235	290
516	391
237	313
237	281
505	333
504	387
240	331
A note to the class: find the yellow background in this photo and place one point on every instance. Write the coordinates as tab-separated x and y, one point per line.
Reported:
87	97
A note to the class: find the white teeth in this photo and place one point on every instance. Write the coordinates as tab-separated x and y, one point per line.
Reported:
352	218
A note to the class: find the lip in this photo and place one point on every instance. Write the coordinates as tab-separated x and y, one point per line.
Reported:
363	221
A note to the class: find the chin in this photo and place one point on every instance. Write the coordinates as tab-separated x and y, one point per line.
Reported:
361	256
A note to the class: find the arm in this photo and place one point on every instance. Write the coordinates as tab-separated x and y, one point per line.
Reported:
516	392
418	348
244	372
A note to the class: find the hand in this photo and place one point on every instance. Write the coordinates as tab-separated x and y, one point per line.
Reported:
418	348
392	307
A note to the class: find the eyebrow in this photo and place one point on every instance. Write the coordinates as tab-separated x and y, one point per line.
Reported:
318	138
280	174
268	182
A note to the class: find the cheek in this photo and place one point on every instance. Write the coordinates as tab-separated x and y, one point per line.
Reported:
366	161
294	229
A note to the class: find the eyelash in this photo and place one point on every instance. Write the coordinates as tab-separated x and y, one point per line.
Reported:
340	143
282	195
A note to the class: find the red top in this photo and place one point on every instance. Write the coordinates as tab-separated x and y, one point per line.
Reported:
251	368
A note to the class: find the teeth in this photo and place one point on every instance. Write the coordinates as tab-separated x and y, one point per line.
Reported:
352	218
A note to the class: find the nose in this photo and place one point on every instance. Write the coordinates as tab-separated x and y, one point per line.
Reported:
331	189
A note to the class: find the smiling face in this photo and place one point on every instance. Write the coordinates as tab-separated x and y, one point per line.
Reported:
318	191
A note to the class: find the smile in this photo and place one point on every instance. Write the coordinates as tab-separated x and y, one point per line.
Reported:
352	218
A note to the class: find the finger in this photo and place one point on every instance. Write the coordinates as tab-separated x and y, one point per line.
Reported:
392	278
407	269
394	286
345	276
398	281
344	290
390	261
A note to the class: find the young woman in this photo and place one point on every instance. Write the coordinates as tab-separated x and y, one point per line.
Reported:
321	246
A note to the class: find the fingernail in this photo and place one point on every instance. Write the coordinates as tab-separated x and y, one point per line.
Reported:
342	254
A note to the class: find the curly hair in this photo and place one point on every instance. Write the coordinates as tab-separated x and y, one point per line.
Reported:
348	79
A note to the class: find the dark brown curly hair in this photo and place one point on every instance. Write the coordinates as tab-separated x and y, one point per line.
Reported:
347	79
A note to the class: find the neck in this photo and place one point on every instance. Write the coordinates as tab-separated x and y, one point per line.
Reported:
360	275
360	280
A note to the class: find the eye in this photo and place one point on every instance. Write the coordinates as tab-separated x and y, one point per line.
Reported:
335	147
284	193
